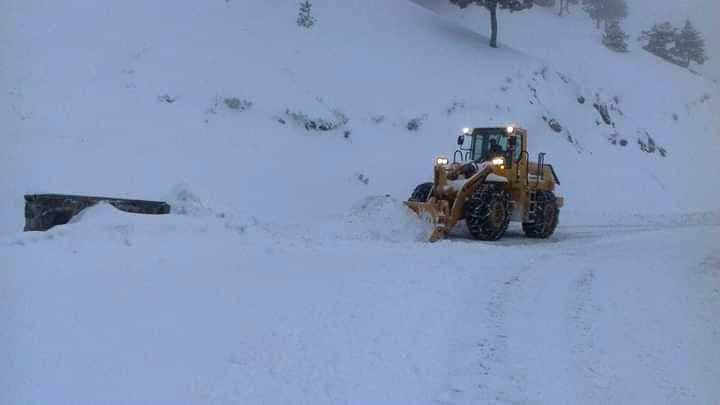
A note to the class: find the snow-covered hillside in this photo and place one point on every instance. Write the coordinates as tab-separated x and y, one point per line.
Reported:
84	103
289	272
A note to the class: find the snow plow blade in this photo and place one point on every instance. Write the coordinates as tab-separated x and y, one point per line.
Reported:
435	212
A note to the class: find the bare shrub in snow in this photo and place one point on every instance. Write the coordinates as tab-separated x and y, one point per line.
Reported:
235	103
378	119
318	123
615	139
362	178
305	18
456	106
165	98
414	124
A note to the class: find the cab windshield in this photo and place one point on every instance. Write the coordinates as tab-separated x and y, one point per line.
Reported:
488	144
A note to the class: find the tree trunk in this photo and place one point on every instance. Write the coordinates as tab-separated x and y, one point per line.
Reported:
493	25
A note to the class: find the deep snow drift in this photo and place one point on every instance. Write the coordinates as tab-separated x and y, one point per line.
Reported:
289	271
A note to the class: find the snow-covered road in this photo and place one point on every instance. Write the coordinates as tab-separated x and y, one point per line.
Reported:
202	309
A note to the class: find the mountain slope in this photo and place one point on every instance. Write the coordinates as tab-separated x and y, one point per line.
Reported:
87	104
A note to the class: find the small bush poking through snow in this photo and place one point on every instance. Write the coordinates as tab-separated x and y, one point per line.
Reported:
455	107
305	18
378	119
414	124
165	98
235	103
318	124
362	178
615	139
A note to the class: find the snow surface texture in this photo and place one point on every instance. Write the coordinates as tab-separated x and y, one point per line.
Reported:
289	271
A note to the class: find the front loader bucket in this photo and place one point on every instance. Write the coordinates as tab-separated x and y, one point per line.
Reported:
436	212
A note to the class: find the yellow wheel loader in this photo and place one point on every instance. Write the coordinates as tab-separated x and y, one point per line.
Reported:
490	182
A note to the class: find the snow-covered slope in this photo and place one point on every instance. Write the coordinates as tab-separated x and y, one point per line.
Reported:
289	271
83	105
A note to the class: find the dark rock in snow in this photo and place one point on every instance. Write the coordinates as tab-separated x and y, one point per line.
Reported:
648	144
604	113
555	125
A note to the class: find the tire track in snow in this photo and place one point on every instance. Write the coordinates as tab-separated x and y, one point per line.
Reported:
486	375
582	312
503	384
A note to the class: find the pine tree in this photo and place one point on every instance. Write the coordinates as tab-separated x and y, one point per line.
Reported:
606	11
492	6
615	38
660	40
305	18
689	46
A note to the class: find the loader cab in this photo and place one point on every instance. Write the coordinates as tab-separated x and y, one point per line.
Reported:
484	144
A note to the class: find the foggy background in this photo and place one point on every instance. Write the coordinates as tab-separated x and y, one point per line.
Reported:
704	14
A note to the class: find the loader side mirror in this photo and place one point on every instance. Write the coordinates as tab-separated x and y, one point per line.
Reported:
461	140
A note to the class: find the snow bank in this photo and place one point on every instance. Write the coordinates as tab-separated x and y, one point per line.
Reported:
384	218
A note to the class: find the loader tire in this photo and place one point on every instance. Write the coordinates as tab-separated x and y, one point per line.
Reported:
546	216
421	192
488	212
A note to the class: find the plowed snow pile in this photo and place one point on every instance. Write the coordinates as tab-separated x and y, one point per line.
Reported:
384	218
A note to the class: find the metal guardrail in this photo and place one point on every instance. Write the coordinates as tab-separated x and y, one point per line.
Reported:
43	211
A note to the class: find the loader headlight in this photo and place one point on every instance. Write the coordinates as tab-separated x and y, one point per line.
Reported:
442	160
466	130
510	129
498	161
